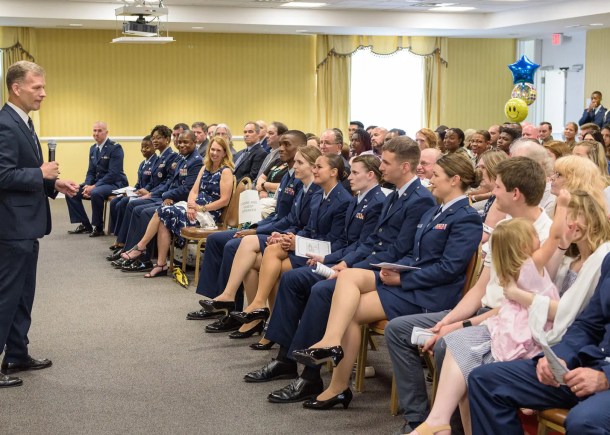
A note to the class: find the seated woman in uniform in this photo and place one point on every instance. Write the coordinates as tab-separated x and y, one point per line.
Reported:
446	238
210	193
260	273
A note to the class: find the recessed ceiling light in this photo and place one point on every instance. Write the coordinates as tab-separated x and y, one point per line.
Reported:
197	27
302	31
452	9
574	26
302	5
596	24
75	25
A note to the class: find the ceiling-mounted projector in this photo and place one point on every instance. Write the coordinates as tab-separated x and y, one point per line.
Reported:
140	28
141	31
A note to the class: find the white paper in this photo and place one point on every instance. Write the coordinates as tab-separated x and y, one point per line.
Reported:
555	364
124	190
419	336
249	207
323	270
304	246
395	267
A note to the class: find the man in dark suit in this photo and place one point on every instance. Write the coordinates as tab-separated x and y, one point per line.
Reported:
249	160
105	174
201	134
497	391
25	183
595	113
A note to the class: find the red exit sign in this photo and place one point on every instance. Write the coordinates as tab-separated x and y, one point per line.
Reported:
557	38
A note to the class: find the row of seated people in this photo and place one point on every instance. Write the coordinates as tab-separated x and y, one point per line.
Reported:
302	301
333	215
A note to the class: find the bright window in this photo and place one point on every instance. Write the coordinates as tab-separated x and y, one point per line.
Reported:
387	90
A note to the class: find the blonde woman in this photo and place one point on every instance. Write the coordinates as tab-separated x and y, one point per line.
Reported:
210	193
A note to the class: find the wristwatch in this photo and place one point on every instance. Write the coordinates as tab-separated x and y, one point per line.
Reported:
263	185
466	323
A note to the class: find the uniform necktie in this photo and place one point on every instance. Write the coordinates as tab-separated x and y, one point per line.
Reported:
393	199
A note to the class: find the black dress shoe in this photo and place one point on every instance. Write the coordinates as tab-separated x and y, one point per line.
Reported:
115	255
260	346
273	370
225	324
115	247
212	306
258	328
343	398
81	229
317	356
27	364
97	232
137	266
9	381
201	315
118	264
298	390
243	317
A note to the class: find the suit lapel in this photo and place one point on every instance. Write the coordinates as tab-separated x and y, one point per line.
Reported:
25	130
403	198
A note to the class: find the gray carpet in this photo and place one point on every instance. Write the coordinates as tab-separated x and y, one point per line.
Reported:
125	360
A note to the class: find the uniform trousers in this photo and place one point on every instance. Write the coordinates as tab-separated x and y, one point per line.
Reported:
220	250
118	206
131	206
301	309
98	195
496	392
140	218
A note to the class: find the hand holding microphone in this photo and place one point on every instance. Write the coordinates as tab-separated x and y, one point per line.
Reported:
50	170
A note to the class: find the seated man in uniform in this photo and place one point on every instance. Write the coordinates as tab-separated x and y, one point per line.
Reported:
105	174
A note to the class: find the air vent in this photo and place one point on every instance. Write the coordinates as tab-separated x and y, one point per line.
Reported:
423	5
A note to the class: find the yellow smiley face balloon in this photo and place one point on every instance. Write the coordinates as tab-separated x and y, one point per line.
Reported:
516	109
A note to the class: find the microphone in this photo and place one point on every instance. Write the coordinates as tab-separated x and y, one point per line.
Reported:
52	145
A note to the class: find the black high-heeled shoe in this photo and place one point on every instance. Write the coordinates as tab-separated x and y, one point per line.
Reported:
343	398
258	328
212	306
243	317
318	355
261	346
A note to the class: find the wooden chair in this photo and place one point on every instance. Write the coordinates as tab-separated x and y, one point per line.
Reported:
472	274
553	419
228	219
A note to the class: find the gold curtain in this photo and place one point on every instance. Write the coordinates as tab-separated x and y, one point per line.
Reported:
17	43
333	72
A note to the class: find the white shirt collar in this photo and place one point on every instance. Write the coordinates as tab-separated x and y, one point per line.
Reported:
24	116
291	171
306	188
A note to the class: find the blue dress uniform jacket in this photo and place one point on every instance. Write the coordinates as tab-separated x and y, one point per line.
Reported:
184	178
145	172
360	221
285	196
25	217
108	168
328	217
298	216
164	171
442	249
393	236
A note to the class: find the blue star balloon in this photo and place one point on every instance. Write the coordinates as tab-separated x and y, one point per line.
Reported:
523	70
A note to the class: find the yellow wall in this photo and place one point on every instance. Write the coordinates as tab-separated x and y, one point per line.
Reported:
227	78
477	82
597	63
